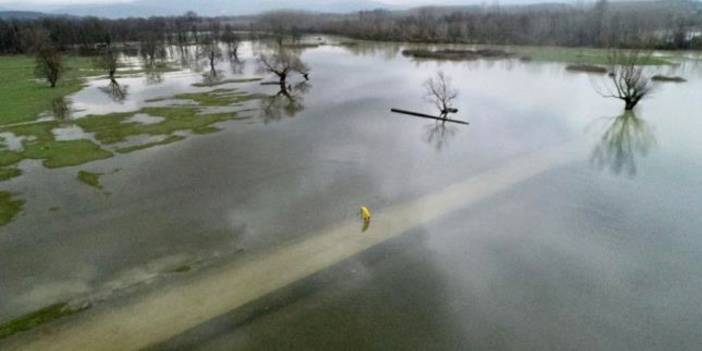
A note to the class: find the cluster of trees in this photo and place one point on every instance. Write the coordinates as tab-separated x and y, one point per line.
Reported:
659	24
19	36
601	24
48	38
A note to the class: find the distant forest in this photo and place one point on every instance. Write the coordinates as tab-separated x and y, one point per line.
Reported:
668	24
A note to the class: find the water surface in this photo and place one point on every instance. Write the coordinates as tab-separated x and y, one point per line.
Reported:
599	254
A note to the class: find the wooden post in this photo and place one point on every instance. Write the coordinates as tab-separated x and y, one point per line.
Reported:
416	114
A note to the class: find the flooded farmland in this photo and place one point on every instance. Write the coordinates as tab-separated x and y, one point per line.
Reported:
226	211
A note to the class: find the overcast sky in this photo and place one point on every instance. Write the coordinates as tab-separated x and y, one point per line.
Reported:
396	2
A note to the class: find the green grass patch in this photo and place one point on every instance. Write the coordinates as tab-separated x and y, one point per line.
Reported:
37	318
206	130
9	158
7	173
218	97
170	139
57	154
669	79
586	68
458	55
39	132
9	209
40	144
161	68
226	81
23	97
113	128
90	178
182	269
587	56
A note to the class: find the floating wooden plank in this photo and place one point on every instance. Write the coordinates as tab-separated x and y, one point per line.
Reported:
417	114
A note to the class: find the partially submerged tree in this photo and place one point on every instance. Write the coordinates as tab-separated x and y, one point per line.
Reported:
287	102
237	67
627	80
49	64
151	49
232	40
61	108
153	76
440	93
108	61
282	63
115	91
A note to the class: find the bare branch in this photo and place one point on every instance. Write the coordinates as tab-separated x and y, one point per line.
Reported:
440	93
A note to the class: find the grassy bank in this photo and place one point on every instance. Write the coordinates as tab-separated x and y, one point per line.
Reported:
36	318
24	97
585	56
571	55
9	207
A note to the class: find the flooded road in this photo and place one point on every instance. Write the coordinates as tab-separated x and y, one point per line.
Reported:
595	250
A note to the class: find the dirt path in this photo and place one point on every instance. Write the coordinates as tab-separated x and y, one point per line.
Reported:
161	315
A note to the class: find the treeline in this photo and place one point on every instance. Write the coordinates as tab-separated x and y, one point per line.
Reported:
88	33
670	24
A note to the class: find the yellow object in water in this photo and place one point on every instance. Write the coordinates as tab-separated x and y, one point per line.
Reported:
365	214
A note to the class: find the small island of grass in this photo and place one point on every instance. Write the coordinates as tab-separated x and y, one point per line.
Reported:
662	78
90	178
586	68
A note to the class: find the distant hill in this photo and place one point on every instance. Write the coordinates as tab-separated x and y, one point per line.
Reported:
658	5
215	7
21	14
146	8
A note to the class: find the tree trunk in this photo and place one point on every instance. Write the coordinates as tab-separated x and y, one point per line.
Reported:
630	104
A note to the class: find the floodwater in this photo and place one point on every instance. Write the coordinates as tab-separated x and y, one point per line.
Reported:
597	250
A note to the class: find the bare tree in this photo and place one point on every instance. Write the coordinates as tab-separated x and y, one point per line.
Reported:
282	63
627	80
153	76
61	108
108	61
287	102
232	41
117	92
151	49
441	94
49	64
209	48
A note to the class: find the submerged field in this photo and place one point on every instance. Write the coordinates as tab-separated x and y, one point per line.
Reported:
176	184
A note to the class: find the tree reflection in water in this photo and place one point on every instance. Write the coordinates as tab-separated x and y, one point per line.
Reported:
286	103
153	76
626	138
211	78
237	66
61	109
439	133
440	93
115	91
